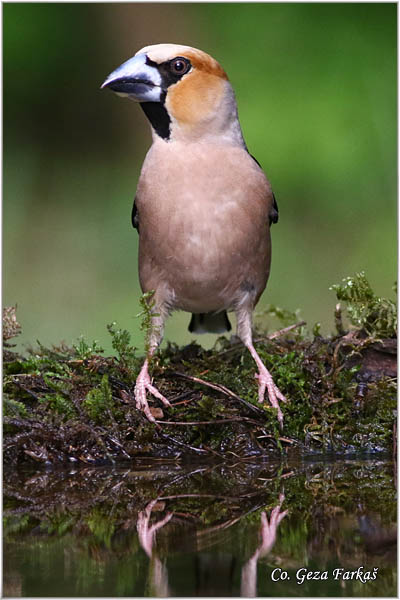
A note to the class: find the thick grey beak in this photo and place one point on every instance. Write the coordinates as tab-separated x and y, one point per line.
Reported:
136	79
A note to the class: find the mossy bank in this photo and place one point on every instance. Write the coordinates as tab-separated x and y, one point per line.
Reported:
73	404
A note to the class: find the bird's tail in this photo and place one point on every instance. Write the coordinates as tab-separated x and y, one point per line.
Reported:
210	323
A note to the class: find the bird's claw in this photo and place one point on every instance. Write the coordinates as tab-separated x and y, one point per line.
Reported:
143	385
269	528
265	382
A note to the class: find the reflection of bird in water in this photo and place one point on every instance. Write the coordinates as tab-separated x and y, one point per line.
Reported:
268	537
214	573
147	534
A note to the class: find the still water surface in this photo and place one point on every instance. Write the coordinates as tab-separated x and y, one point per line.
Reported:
296	528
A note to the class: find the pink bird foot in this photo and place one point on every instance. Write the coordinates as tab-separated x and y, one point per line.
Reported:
268	533
265	382
143	385
269	530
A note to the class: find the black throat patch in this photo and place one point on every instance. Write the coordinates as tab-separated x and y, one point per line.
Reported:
156	112
159	118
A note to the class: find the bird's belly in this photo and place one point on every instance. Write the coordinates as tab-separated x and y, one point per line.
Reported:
204	232
204	270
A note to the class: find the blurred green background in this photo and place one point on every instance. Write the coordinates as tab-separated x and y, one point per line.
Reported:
316	90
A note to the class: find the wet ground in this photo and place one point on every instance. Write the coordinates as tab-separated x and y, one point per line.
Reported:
320	526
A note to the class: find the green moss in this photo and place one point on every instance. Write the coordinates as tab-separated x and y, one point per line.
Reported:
57	523
60	405
101	525
41	362
126	353
335	402
376	316
98	403
16	524
375	426
13	407
84	350
146	315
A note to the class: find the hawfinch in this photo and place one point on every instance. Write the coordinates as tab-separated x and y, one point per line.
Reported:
203	206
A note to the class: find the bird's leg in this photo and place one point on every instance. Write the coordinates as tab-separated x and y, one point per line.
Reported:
143	385
146	532
265	381
143	381
268	532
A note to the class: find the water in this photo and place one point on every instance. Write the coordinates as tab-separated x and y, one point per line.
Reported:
159	529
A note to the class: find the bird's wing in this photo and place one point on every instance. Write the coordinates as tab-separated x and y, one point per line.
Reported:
274	213
135	216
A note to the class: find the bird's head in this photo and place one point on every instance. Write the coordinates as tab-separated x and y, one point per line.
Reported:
184	92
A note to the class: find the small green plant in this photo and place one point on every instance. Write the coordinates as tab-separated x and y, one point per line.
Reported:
284	316
43	361
279	318
377	316
84	350
13	408
60	404
98	402
121	342
101	525
57	523
147	314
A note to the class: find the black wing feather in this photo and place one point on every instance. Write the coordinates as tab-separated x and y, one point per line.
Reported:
135	216
274	214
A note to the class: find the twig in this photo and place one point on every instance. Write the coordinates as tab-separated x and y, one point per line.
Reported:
281	439
180	398
281	332
224	390
284	476
177	442
216	422
213	451
272	336
119	445
178	496
179	478
185	517
227	524
27	390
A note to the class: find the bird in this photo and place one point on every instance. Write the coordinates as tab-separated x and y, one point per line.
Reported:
203	206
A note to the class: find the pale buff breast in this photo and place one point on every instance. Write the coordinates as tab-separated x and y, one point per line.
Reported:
204	225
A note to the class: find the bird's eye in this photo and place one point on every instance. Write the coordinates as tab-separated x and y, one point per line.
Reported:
180	66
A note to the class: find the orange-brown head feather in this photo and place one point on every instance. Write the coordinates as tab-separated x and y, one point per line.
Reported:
202	102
